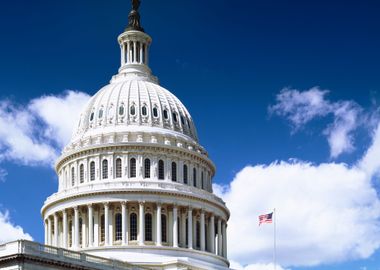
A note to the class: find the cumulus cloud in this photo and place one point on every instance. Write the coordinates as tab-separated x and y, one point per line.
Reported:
35	133
9	231
326	212
256	266
301	107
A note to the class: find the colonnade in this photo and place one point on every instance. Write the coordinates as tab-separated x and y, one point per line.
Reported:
137	224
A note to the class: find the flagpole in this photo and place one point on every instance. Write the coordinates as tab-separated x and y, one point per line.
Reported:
274	238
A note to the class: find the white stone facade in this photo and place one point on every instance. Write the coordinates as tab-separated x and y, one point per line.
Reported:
134	182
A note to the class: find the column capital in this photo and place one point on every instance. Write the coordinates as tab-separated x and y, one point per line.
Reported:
76	208
123	202
89	205
159	204
63	211
106	204
141	202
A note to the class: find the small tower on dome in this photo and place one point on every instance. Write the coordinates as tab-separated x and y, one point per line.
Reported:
134	46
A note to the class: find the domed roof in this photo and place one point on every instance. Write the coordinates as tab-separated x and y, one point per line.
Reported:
134	105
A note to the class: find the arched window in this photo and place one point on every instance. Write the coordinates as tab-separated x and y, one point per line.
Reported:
91	116
182	120
144	111
118	167
133	110
80	231
70	233
174	172
148	227
194	177
198	234
92	170
72	176
133	227
185	174
121	109
100	115
163	228
105	169
175	117
102	229
202	181
166	116
161	171
155	112
81	173
147	168
118	227
132	168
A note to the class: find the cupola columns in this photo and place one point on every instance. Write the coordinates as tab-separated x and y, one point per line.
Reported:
134	44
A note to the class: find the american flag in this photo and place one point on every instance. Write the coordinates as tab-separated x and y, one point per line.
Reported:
267	218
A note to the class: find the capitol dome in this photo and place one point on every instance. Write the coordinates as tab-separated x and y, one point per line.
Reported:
134	184
132	105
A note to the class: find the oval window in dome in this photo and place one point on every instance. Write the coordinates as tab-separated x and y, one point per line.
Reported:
166	116
100	115
121	110
133	110
144	111
175	117
155	112
91	116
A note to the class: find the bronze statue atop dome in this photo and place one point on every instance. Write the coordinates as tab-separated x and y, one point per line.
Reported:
134	17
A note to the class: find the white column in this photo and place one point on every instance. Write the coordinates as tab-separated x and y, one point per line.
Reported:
128	52
134	52
49	231
76	227
141	234
124	230
46	232
219	236
190	228
202	232
122	47
90	225
158	228
84	226
141	52
212	234
110	226
106	224
224	236
183	229
175	226
64	221
96	229
56	230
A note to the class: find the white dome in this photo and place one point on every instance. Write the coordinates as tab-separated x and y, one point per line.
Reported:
132	106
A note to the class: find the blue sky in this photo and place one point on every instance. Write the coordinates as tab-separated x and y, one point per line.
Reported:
228	63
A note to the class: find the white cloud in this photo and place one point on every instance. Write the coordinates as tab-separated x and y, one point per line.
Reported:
3	174
326	212
35	133
9	231
60	114
256	266
301	107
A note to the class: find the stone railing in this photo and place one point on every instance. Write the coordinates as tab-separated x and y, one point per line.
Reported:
66	256
115	185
